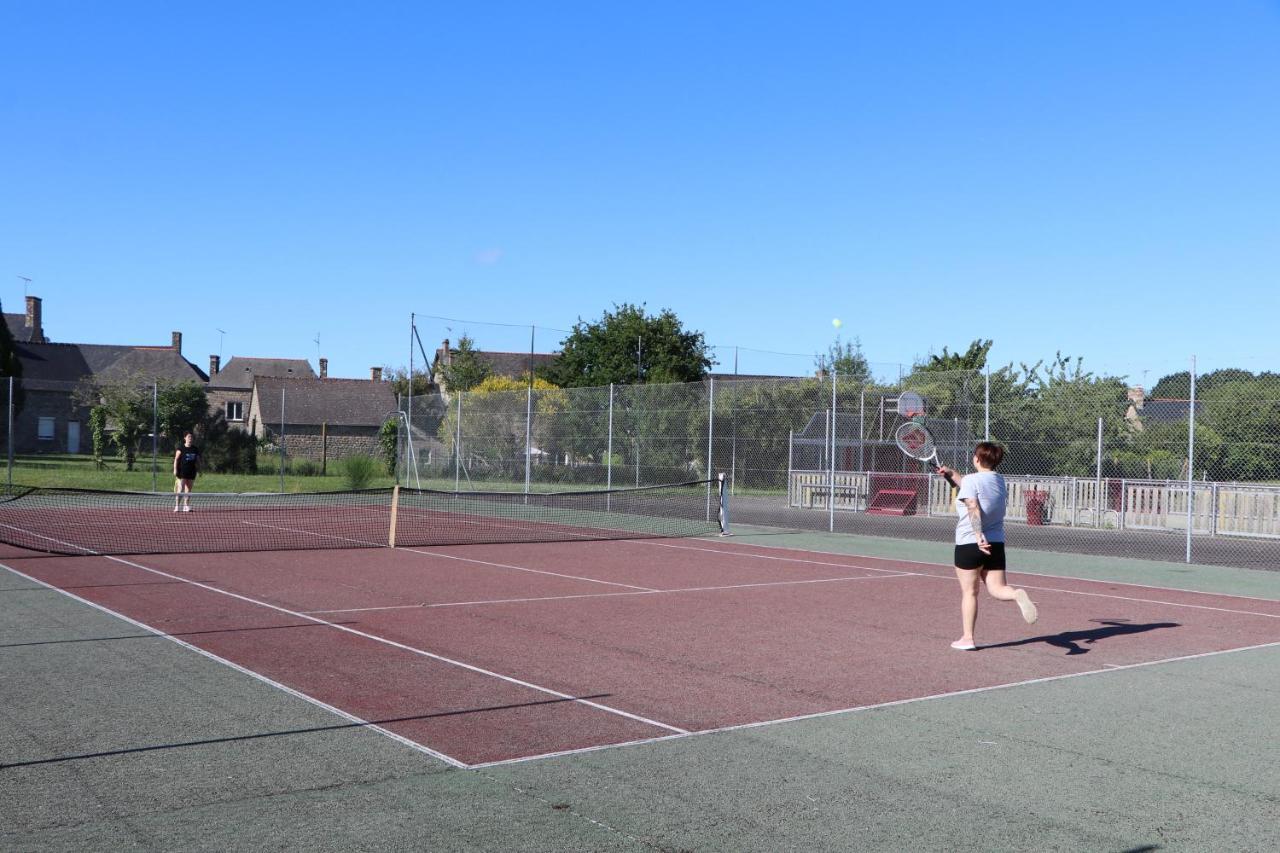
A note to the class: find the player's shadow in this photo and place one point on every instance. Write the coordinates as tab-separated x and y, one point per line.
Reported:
1074	641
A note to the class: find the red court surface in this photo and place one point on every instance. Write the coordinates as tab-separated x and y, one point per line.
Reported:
491	653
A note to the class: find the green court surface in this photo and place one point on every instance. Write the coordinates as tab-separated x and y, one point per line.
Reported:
127	740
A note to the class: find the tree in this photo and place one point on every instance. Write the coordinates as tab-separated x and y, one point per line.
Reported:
494	414
467	367
399	379
629	346
847	361
181	408
125	407
974	358
1055	429
226	449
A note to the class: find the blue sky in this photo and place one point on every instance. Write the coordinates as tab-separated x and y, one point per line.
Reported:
1098	178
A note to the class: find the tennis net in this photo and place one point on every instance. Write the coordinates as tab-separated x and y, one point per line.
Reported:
84	521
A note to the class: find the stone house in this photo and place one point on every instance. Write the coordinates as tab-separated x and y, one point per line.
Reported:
52	420
322	418
230	388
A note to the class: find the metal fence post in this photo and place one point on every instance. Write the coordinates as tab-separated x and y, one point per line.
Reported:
1191	456
155	430
986	404
1097	496
282	438
711	425
831	494
457	448
862	429
528	435
608	455
9	438
791	443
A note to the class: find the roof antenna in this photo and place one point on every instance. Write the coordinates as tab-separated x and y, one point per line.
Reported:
25	281
222	333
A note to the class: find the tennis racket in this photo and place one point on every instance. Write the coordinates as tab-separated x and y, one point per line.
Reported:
917	442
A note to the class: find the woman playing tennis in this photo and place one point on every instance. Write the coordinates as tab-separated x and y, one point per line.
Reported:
980	540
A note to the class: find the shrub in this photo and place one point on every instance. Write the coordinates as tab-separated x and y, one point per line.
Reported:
228	450
358	471
305	467
388	441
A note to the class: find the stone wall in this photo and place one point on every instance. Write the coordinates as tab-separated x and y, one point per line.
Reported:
307	442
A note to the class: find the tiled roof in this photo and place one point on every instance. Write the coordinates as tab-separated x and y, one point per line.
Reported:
341	402
514	364
70	363
17	324
1158	410
240	372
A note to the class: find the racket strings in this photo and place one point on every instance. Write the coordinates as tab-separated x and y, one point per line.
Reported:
915	441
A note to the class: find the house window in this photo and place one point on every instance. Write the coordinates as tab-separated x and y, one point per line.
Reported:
45	429
235	411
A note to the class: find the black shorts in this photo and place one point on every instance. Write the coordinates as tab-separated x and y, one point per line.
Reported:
969	557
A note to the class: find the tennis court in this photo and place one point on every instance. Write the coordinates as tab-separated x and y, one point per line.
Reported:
571	649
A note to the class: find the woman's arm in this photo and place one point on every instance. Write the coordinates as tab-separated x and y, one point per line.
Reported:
177	454
975	519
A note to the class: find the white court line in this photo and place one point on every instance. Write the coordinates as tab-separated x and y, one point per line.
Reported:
402	646
255	675
525	569
385	641
860	708
611	594
887	572
466	560
948	566
1024	585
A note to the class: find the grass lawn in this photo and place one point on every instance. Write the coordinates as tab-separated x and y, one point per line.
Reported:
78	472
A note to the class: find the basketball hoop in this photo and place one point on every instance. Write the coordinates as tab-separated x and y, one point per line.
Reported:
911	406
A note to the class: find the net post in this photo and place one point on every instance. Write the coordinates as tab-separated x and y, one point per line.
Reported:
724	506
395	507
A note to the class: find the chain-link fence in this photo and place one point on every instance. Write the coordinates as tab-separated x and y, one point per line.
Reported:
1093	467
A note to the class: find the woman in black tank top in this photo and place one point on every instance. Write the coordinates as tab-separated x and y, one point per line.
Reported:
186	465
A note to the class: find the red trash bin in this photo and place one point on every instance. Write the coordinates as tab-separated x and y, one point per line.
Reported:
1036	501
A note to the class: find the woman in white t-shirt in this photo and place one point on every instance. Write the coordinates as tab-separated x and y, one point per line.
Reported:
980	540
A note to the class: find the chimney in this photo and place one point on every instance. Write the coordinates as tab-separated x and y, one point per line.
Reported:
446	356
177	342
375	373
35	329
324	368
215	364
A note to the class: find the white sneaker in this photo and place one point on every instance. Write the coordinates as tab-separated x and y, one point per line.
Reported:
175	509
1026	605
188	509
962	646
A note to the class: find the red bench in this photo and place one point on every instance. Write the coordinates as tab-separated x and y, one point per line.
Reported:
894	502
